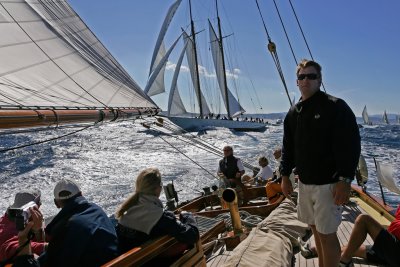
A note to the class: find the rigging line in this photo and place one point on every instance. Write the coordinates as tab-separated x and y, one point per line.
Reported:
41	49
46	140
286	34
274	54
304	37
177	149
194	138
262	18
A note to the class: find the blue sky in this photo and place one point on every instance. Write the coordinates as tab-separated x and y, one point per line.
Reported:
355	41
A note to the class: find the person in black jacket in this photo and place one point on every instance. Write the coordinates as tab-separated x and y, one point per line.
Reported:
321	139
142	217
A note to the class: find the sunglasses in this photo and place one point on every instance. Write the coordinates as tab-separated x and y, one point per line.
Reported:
309	76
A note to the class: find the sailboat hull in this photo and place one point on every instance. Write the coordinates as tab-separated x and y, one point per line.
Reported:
196	124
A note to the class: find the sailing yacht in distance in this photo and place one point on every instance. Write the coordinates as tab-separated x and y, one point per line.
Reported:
177	112
385	118
365	116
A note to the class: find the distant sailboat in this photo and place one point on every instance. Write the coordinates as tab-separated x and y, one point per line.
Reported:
398	119
177	112
385	118
365	116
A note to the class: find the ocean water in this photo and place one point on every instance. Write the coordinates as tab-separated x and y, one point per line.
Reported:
106	159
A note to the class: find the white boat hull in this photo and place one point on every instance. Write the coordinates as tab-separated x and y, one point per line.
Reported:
196	124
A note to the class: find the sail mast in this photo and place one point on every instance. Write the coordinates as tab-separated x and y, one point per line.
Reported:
195	59
223	61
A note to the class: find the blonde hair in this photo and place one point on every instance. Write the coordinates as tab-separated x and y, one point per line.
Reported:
147	182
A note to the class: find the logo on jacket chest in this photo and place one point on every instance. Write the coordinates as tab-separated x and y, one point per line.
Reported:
317	116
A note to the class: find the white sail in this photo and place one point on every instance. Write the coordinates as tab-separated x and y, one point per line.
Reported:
50	58
385	177
365	116
156	73
158	86
398	119
192	67
175	104
385	118
170	14
234	106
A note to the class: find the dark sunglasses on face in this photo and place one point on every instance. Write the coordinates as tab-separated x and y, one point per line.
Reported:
309	76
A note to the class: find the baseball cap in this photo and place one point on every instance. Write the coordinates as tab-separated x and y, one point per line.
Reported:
66	189
26	196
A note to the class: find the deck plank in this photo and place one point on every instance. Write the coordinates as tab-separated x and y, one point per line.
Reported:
350	213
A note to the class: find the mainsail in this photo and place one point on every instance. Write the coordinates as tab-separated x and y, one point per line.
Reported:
365	116
190	56
50	58
234	106
158	85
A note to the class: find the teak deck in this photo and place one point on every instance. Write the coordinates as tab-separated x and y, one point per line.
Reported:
350	213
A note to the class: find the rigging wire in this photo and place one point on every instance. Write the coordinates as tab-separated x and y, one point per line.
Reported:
274	54
304	37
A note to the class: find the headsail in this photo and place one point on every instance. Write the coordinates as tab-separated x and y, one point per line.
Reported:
190	56
170	14
156	73
385	118
385	177
365	116
234	106
158	85
175	104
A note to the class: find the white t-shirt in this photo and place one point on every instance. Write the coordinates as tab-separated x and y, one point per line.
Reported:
265	173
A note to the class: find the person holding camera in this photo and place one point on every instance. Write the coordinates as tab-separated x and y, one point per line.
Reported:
24	209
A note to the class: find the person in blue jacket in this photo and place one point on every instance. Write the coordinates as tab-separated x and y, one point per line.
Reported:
81	234
142	217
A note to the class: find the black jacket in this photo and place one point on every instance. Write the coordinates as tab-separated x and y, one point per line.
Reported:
321	139
184	231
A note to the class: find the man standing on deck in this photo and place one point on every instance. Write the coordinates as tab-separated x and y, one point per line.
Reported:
321	139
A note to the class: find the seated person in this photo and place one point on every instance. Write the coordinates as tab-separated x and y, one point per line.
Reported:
8	230
81	234
265	173
273	187
386	247
141	217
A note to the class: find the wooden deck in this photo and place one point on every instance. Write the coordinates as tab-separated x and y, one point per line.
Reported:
350	213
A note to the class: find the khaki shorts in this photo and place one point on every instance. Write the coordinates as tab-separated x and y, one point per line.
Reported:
316	207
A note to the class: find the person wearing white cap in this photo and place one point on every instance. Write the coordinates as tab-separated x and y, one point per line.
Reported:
8	230
81	234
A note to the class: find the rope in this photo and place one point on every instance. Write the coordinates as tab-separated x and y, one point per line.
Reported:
274	54
45	141
304	37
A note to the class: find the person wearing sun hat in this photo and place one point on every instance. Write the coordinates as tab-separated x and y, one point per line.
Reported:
81	234
8	231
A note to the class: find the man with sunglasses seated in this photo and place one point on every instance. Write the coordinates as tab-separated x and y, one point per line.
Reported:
321	139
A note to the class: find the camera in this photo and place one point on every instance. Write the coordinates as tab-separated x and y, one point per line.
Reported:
21	215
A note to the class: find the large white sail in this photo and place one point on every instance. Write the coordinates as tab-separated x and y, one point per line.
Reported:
385	177
365	116
158	85
167	20
175	104
234	106
50	58
385	118
192	67
156	73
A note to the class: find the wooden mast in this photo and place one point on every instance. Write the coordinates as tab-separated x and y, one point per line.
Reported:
195	60
223	62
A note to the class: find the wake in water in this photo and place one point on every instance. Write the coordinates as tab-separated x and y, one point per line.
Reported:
105	160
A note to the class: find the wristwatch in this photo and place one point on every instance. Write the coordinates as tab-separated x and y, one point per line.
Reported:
345	179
